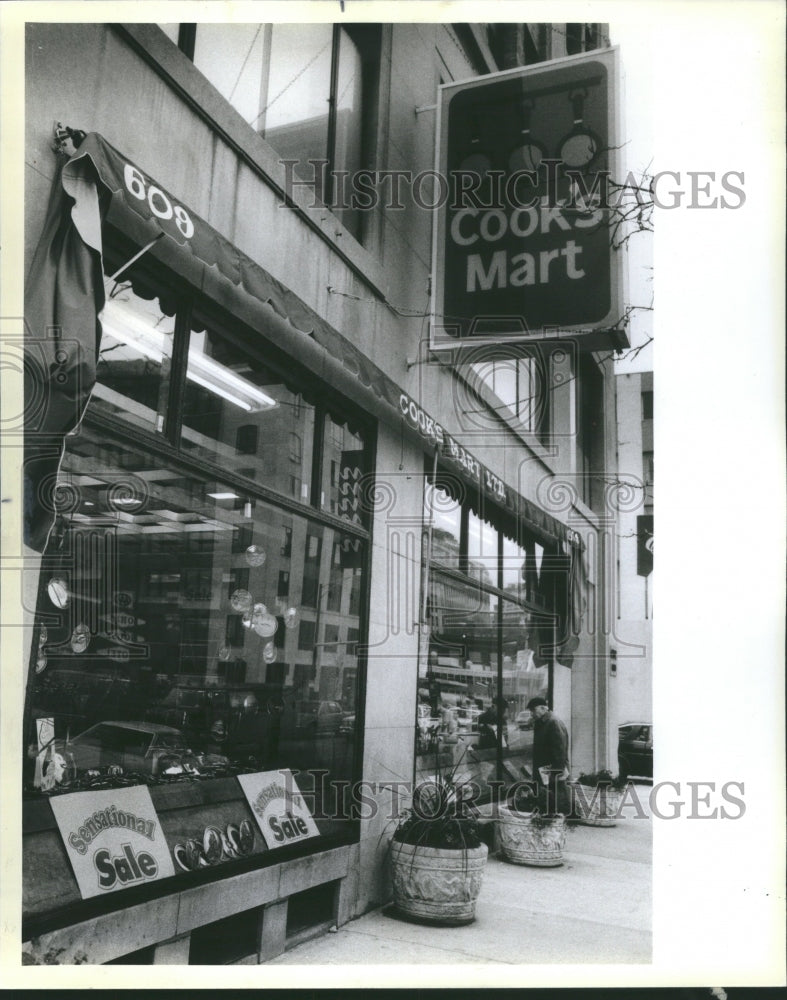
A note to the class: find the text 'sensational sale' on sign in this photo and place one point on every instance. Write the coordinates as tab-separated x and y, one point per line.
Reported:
279	807
523	241
113	839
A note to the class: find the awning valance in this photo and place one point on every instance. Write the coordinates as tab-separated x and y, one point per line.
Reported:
142	209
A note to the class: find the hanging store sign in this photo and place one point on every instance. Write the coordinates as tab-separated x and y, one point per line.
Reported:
113	839
523	242
279	807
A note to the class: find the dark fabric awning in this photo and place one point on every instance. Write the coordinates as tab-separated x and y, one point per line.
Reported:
138	206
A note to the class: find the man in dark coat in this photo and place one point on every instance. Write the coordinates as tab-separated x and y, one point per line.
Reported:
550	754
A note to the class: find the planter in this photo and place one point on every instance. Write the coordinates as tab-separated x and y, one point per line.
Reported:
437	885
596	805
530	838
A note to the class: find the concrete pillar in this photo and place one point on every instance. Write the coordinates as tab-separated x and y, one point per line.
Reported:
347	891
273	931
173	952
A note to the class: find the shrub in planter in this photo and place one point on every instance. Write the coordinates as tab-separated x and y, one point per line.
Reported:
438	856
597	798
529	836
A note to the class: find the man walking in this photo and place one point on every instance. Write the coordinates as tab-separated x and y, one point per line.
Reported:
550	754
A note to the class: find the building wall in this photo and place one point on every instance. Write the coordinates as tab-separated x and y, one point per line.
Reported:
171	123
634	618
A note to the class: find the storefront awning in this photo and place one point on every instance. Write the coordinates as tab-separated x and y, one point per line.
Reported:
107	187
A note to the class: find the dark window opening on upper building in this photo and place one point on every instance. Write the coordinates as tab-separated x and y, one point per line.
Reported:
310	90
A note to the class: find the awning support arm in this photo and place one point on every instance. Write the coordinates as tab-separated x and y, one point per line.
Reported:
135	258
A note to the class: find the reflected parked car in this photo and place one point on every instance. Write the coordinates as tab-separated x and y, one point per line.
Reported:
315	716
524	720
135	746
635	750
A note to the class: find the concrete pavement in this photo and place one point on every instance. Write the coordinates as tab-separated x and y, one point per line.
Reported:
596	908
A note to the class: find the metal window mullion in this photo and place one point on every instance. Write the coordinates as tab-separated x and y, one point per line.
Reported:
265	73
177	381
328	191
318	455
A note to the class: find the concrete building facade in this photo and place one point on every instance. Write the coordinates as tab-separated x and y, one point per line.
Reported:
268	406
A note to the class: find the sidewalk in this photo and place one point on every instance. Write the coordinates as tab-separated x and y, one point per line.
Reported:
596	908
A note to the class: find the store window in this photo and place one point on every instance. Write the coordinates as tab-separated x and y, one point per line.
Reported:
443	513
492	616
135	358
182	596
309	89
583	38
521	390
224	388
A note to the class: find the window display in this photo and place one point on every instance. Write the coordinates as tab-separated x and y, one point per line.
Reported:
491	617
197	616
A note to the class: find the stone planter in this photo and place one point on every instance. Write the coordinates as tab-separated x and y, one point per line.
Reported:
596	805
530	838
437	885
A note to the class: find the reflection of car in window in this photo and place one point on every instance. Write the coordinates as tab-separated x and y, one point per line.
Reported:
318	716
635	750
134	746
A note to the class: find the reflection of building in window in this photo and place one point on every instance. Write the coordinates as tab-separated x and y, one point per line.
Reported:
582	38
246	439
311	565
306	634
522	391
331	637
309	89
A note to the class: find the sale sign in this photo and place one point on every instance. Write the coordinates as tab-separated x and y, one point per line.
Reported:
278	806
523	246
113	839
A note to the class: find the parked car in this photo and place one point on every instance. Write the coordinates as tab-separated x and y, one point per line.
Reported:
635	750
524	720
135	746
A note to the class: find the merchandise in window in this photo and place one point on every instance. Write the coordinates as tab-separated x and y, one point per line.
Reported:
160	637
493	604
182	591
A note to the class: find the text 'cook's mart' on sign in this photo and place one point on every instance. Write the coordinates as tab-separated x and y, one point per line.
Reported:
523	244
113	839
279	807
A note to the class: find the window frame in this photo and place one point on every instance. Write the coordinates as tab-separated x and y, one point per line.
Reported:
165	445
342	412
368	40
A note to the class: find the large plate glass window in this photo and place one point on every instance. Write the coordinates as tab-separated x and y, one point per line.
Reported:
202	593
135	356
237	411
491	615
